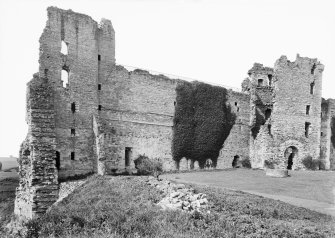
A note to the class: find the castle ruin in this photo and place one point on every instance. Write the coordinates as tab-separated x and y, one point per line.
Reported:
100	116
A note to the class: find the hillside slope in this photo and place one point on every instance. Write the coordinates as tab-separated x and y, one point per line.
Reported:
125	207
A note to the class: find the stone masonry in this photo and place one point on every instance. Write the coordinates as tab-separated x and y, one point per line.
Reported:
87	114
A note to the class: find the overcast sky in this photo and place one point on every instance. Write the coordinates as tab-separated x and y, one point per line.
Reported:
212	41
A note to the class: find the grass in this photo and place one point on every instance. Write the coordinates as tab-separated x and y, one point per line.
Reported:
125	207
313	185
7	196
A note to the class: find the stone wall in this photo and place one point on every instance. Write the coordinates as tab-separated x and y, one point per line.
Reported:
327	153
38	182
292	95
89	57
237	143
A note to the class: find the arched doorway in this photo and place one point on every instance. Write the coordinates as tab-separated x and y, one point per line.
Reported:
290	154
236	162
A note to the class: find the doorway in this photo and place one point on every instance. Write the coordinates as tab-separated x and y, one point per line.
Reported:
128	154
236	161
290	155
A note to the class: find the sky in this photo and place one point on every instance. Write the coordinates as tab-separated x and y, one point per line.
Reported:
215	41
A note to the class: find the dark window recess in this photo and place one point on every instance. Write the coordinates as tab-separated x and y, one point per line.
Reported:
307	126
99	107
267	114
270	79
128	154
269	128
312	88
72	155
99	86
26	153
321	133
313	69
73	107
238	109
260	82
236	162
57	160
73	132
308	107
235	103
99	57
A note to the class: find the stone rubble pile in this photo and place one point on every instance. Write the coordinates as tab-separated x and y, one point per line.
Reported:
178	196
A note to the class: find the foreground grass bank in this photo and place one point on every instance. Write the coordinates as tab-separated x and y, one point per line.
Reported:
125	207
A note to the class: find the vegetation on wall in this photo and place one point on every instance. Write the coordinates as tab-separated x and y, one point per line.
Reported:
202	121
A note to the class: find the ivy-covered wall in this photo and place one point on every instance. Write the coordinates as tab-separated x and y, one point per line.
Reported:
203	120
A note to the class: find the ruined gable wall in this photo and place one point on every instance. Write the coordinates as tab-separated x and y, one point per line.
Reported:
292	94
237	143
137	110
86	40
38	181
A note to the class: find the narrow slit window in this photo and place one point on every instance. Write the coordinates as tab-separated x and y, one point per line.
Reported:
312	88
99	57
73	107
72	156
260	82
313	69
321	133
174	103
65	78
308	107
99	107
307	128
57	160
99	86
73	132
64	49
270	79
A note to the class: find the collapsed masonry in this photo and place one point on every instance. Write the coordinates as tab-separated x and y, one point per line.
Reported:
86	114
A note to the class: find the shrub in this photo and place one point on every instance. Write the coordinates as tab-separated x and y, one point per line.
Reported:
246	163
146	166
310	163
269	164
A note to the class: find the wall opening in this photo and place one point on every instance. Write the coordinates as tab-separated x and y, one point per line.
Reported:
236	104
127	157
260	82
308	107
64	49
73	132
236	162
72	155
174	103
270	79
99	57
26	152
269	128
313	68
312	88
267	114
99	86
57	160
65	78
73	107
307	128
321	133
290	153
99	107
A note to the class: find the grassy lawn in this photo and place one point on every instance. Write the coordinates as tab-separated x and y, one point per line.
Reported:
312	185
125	207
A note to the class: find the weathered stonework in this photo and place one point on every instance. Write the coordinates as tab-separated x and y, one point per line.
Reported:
105	116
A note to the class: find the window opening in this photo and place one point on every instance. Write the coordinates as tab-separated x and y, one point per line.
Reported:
99	86
73	132
73	107
307	128
260	82
99	107
99	57
128	154
64	49
270	79
57	160
307	109
72	155
312	88
65	78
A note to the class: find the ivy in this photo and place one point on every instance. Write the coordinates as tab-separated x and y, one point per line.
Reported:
202	121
